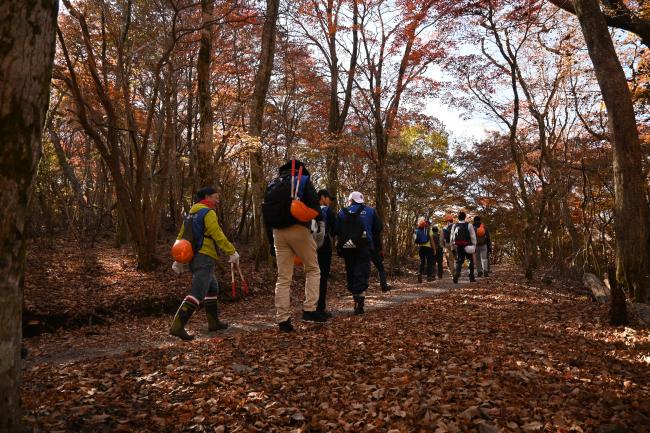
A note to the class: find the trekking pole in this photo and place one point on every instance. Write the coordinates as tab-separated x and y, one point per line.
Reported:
244	283
234	283
293	176
298	182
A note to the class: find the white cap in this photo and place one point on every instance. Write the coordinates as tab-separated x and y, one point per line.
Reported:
356	197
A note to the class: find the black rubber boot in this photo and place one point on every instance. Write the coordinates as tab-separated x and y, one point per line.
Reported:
419	278
212	313
358	304
472	279
455	279
286	326
181	318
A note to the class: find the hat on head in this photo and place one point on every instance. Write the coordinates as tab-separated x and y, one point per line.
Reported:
325	193
204	192
356	197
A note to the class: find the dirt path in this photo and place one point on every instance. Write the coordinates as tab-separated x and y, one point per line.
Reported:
125	335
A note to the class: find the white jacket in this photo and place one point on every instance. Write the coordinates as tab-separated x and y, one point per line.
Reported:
472	233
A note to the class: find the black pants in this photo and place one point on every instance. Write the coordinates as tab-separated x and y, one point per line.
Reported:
437	259
461	255
325	265
357	269
426	260
379	264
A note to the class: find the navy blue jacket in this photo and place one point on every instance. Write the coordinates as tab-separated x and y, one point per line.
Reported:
371	222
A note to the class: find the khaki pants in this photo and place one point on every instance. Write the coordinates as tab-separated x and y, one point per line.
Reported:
449	255
289	242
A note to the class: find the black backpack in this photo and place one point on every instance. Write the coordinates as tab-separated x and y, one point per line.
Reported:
276	208
352	233
462	237
446	232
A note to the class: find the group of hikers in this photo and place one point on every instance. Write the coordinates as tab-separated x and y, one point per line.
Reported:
302	228
458	242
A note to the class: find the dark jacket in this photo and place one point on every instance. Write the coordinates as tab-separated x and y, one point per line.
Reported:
371	222
327	215
486	241
308	196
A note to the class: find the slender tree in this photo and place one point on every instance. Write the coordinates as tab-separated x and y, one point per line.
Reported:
262	81
206	144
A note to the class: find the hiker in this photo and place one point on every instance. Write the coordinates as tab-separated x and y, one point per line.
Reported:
483	247
324	251
463	239
438	251
449	251
290	236
207	235
358	229
422	237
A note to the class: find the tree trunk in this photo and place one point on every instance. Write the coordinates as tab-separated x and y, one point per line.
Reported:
262	81
206	139
617	307
27	32
629	180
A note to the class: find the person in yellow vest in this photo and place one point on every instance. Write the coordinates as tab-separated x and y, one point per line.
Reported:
483	247
205	289
423	238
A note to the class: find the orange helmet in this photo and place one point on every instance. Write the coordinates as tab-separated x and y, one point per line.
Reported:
302	212
182	251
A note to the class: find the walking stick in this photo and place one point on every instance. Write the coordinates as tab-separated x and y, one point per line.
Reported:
244	283
234	284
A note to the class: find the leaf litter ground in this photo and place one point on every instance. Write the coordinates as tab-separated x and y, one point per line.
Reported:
493	356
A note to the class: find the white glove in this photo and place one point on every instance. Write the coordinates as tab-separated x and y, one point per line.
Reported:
234	258
179	268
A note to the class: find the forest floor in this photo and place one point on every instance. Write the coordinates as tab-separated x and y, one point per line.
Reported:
497	355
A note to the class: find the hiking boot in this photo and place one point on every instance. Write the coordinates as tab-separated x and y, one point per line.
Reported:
485	274
455	279
314	316
385	288
429	279
212	313
286	326
325	313
419	278
472	279
181	318
480	274
358	305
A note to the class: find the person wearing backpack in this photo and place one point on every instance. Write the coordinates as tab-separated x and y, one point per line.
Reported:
328	226
447	245
202	228
483	247
463	238
438	251
422	236
359	229
291	237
